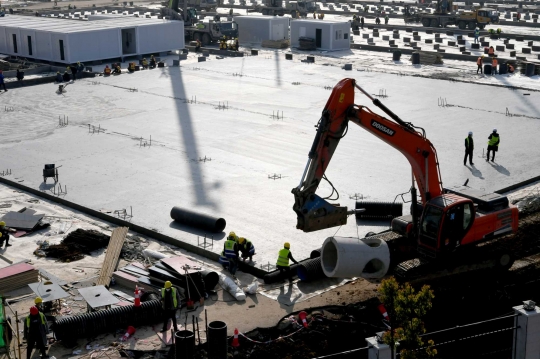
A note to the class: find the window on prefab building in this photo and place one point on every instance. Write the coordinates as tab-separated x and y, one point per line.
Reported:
339	34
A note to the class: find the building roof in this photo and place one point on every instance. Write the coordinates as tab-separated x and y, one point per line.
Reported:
320	22
68	26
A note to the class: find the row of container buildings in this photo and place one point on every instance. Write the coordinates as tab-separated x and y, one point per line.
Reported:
116	36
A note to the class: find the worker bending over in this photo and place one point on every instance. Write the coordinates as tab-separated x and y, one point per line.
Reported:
35	332
4	234
283	261
107	70
246	248
169	303
230	249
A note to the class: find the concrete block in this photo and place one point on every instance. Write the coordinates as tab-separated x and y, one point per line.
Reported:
441	50
206	53
437	35
520	38
370	40
386	37
375	34
417	38
465	52
417	48
415	33
356	32
538	56
512	54
365	36
462	48
347	67
530	43
185	51
370	27
408	29
461	42
510	46
429	41
499	48
485	43
254	52
439	40
288	56
429	32
470	34
436	46
450	33
451	43
406	39
397	46
201	59
395	36
526	50
482	39
310	59
174	63
459	37
522	58
391	42
536	48
182	57
506	41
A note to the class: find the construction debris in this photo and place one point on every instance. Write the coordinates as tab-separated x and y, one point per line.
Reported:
17	276
275	44
133	248
74	246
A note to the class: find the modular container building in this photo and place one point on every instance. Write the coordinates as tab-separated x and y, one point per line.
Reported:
256	29
328	35
69	41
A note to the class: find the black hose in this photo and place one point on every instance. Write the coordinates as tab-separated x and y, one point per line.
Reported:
199	220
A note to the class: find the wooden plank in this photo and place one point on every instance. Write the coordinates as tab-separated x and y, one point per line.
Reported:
118	236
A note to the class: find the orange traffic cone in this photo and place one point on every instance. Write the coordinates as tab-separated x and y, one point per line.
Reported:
383	311
137	296
235	342
302	315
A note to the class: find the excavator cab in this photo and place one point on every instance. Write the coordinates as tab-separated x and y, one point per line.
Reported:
446	220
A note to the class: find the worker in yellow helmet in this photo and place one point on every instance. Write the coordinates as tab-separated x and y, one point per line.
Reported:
283	261
4	234
169	303
247	249
39	303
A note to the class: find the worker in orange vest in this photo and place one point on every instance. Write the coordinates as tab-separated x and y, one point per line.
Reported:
491	51
510	68
479	62
494	65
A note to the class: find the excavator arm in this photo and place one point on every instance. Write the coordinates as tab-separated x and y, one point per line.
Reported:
314	212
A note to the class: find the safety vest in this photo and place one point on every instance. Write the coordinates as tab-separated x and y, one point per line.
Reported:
283	258
494	63
28	320
468	142
229	249
479	61
222	259
493	140
173	292
476	33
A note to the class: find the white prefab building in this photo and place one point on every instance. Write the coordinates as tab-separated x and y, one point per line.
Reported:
256	29
69	41
328	35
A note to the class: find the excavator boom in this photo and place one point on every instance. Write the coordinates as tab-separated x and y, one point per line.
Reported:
315	213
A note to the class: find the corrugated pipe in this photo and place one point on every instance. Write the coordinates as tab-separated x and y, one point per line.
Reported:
199	220
310	270
91	324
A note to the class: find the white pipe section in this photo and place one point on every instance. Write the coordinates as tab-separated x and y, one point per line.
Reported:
148	253
230	286
347	257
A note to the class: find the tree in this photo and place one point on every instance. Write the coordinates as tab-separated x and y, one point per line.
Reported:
406	308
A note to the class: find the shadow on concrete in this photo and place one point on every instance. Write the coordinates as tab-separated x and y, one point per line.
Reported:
475	171
198	232
46	186
500	169
278	72
189	139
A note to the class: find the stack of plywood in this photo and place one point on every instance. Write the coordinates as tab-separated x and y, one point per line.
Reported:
17	276
118	236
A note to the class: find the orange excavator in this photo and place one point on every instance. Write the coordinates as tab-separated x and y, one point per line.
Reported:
443	221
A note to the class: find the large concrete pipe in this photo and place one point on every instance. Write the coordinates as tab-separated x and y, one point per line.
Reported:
199	220
346	257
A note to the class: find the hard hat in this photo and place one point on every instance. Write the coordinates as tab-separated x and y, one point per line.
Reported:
483	56
168	284
78	62
241	240
232	234
34	310
38	300
494	130
470	133
287	245
2	223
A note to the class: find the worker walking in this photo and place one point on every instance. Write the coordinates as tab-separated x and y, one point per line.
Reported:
35	332
2	83
386	19
480	62
283	261
494	64
476	35
469	148
4	234
230	249
377	20
493	144
169	303
362	23
246	248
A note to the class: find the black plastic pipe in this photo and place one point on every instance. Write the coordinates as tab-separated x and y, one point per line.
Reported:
89	325
276	276
199	220
310	270
184	344
316	253
217	340
210	278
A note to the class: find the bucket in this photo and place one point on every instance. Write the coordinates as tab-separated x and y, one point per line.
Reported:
416	58
217	340
396	55
503	69
184	344
487	69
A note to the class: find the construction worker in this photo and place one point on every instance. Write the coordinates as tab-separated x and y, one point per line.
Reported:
169	303
117	70
145	63
198	46
246	248
4	234
491	51
494	64
510	69
131	67
315	14
153	63
39	303
230	249
377	20
493	144
322	16
35	332
58	77
80	67
476	35
386	19
223	43
224	261
362	23
66	77
283	261
107	70
480	62
2	83
297	14
499	31
236	44
73	69
469	148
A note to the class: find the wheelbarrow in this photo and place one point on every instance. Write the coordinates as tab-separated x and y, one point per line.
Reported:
50	172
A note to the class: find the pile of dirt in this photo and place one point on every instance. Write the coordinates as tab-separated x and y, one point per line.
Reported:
74	246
